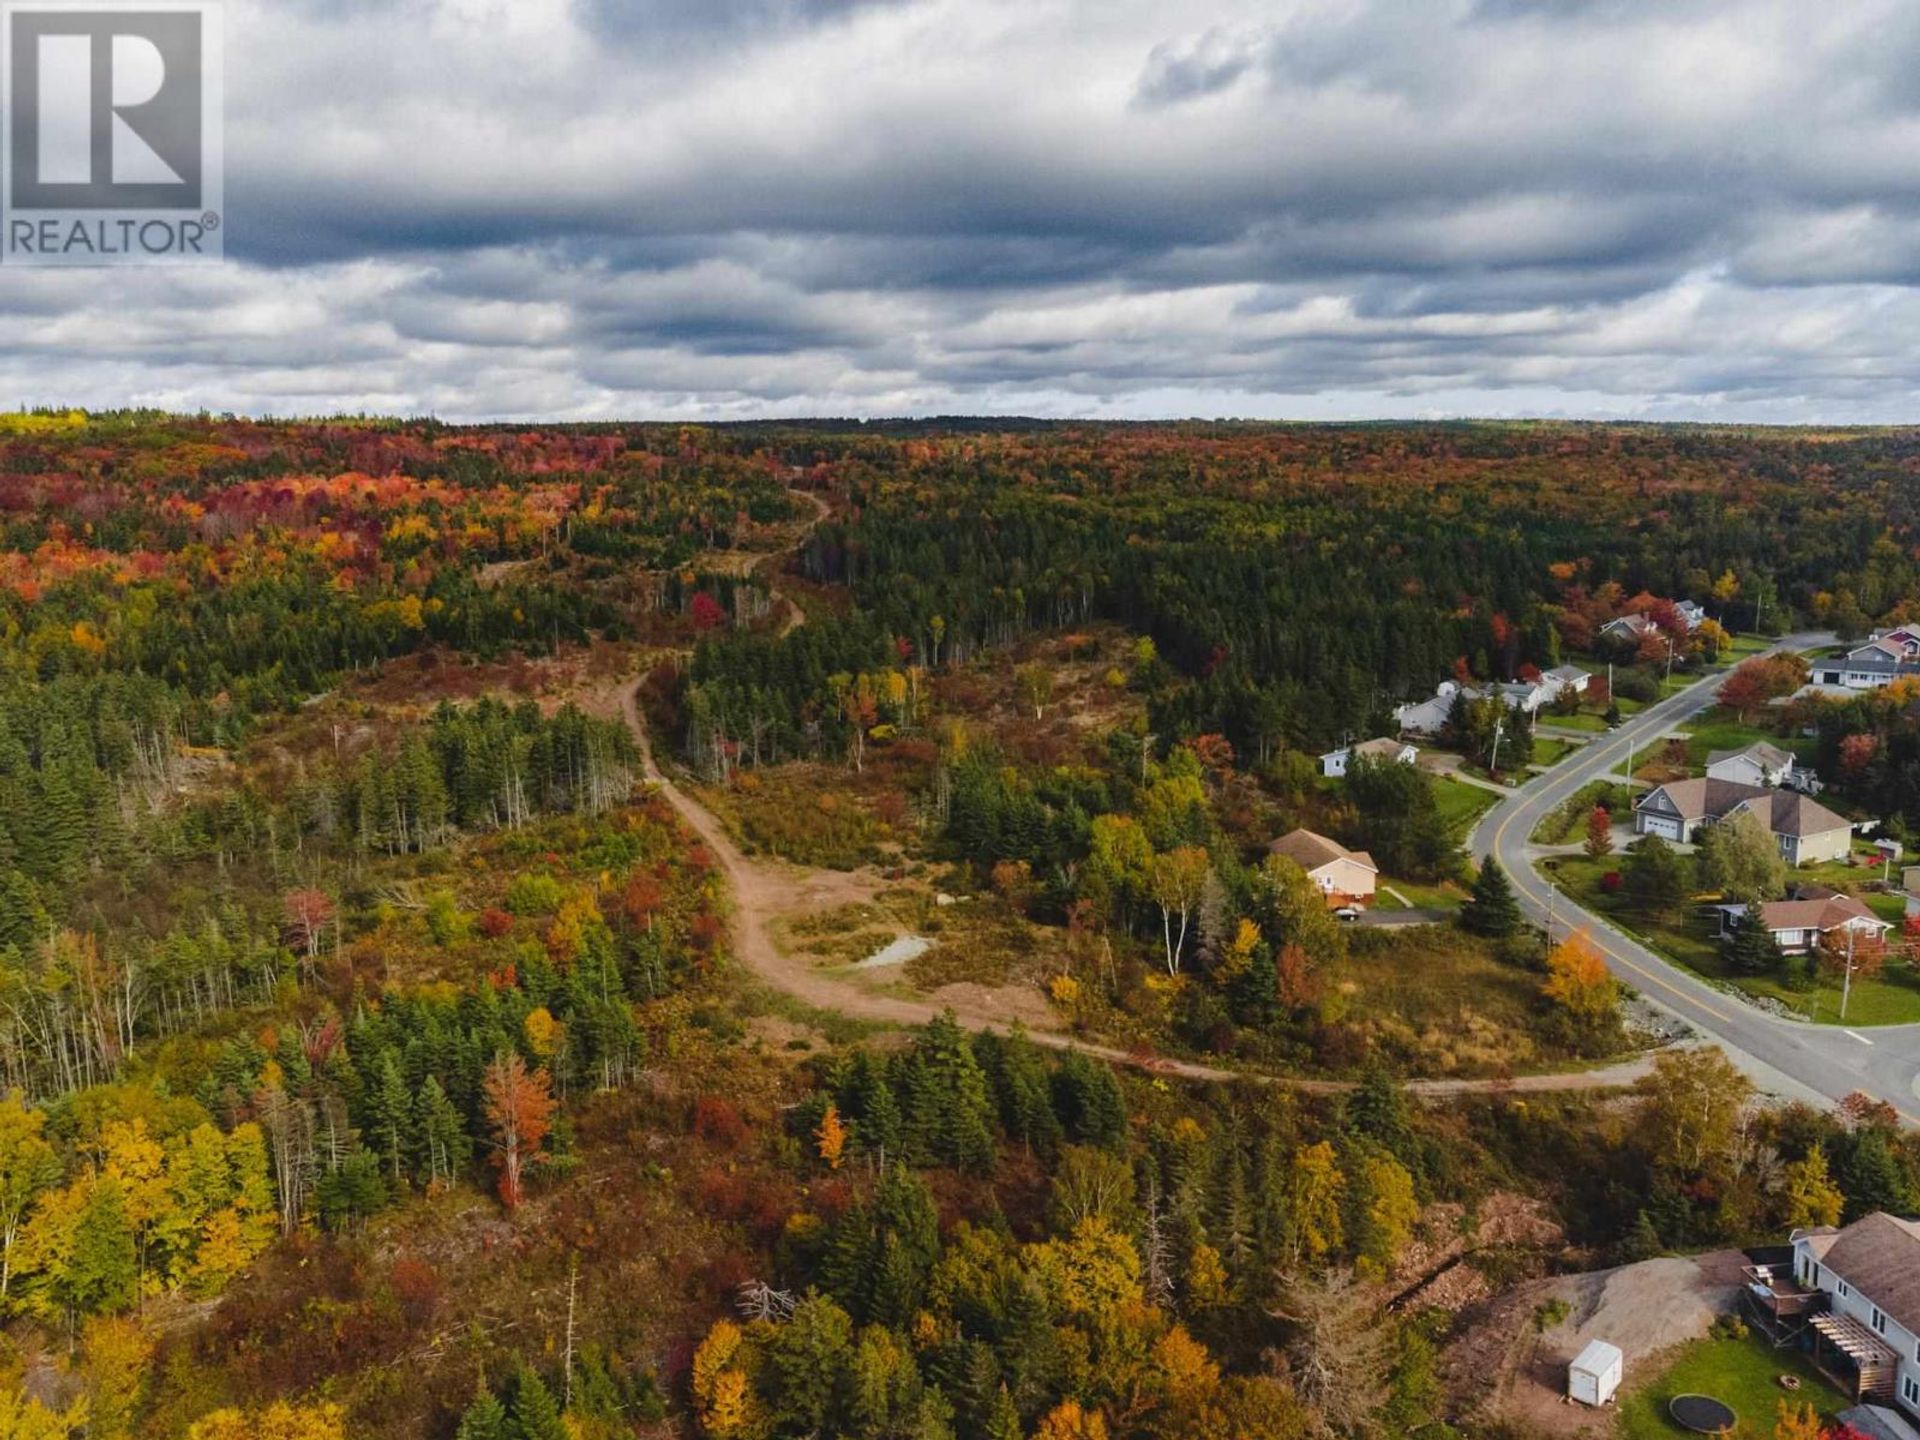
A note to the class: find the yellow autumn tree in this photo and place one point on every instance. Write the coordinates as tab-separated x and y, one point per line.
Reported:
1206	1278
544	1033
722	1391
1811	1196
1390	1213
832	1138
1068	1421
24	1418
1315	1191
281	1420
115	1351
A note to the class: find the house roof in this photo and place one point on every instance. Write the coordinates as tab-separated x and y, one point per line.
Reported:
1761	752
1568	674
1784	812
1381	748
1310	851
1637	624
1822	913
1879	1255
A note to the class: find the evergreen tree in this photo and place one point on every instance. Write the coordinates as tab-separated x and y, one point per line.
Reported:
1493	910
536	1414
1751	949
484	1419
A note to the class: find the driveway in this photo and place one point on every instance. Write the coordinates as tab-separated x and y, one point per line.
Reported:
1789	1058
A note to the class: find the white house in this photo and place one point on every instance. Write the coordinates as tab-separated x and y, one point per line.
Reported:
1429	717
1798	926
1806	831
1346	877
1866	1330
1382	751
1758	764
1690	614
1885	657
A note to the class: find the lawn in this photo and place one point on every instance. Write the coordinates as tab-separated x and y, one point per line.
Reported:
1549	751
1461	805
1745	1374
1586	720
1686	937
1568	822
1444	896
1720	729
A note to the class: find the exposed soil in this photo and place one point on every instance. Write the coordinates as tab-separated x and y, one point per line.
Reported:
1504	1367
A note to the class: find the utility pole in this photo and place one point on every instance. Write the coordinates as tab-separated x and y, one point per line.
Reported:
1669	657
1493	765
1846	980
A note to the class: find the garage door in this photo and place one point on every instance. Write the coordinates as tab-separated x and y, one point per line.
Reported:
1661	825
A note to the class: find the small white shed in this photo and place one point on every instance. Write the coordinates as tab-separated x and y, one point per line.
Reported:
1595	1373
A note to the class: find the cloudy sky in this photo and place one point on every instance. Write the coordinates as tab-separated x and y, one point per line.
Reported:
1294	208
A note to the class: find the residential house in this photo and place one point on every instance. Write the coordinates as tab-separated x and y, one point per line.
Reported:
1429	717
1760	763
1807	831
1910	887
1634	628
1851	1297
1382	751
1346	877
1628	628
1885	657
1799	925
1567	677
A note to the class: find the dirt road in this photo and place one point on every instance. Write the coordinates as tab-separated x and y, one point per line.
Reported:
764	892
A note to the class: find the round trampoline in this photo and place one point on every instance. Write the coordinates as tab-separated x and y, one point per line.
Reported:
1701	1414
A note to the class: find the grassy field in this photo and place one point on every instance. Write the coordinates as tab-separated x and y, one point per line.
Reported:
1433	1001
1719	729
1687	938
1549	751
1744	1374
1444	896
1461	805
1569	821
1589	721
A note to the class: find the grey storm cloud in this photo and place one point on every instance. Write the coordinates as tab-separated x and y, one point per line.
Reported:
582	208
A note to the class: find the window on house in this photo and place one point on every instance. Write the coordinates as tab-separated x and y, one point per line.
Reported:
1910	1387
1844	1288
1878	1320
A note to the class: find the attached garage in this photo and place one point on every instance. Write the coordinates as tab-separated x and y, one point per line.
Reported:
1667	827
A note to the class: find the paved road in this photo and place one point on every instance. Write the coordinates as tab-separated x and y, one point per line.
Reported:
1790	1058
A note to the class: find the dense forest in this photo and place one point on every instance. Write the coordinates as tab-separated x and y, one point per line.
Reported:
377	1059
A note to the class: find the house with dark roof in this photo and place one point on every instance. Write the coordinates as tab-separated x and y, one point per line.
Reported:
1806	831
1798	926
1346	877
1886	656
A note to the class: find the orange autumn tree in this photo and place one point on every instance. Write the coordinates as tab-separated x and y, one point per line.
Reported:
1580	986
832	1138
519	1109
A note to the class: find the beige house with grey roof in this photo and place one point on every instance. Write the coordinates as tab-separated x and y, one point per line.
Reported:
1807	831
1346	877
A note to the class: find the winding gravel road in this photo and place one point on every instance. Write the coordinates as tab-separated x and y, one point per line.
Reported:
1789	1058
